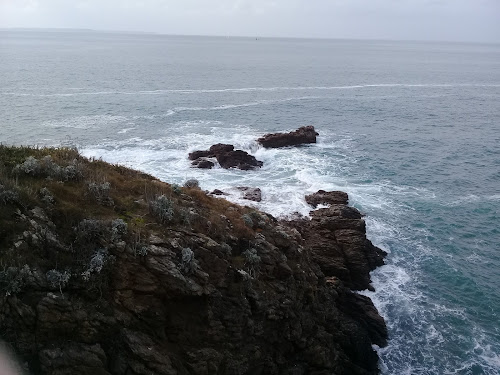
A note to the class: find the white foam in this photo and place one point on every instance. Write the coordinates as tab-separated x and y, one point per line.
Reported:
248	89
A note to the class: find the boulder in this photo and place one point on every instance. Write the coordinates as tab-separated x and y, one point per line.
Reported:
199	154
238	159
252	194
327	198
218	192
203	163
220	148
303	135
227	157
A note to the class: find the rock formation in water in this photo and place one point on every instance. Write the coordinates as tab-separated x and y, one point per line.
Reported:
227	157
107	270
303	135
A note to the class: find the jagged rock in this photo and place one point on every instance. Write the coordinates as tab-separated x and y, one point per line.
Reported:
229	291
252	194
327	198
303	135
238	159
227	157
199	154
337	241
218	192
203	163
220	148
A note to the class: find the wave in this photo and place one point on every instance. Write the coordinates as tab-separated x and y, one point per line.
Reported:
249	89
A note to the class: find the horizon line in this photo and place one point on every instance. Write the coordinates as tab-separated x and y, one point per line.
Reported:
157	33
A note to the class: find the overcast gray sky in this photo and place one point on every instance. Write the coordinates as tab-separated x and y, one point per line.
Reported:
453	20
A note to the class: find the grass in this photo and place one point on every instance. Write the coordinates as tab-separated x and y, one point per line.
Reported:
130	192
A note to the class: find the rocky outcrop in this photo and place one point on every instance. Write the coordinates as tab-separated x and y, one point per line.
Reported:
336	239
252	194
191	285
227	157
327	198
303	135
238	159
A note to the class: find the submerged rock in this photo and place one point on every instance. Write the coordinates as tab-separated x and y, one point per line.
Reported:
303	135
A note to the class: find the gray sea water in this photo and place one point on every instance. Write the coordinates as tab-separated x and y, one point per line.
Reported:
410	130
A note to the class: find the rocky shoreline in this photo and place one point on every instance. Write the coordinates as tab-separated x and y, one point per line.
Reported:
110	271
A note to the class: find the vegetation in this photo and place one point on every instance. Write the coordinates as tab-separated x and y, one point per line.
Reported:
66	215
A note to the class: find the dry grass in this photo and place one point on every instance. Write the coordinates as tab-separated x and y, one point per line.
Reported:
130	192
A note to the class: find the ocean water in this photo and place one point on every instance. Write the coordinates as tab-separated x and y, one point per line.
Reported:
410	130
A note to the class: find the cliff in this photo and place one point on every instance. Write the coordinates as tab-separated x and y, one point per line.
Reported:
106	270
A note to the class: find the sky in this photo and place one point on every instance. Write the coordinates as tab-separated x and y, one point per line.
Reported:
435	20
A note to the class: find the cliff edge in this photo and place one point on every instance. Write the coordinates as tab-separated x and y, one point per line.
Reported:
106	270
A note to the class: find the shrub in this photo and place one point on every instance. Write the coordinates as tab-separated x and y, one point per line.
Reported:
118	229
247	219
100	192
13	279
97	262
30	166
162	209
252	262
7	196
176	189
46	167
138	246
58	279
46	196
91	230
192	184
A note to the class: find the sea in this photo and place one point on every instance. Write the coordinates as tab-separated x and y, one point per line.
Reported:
410	130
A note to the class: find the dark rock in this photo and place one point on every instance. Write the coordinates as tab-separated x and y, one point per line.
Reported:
199	154
303	135
203	163
218	192
227	157
220	148
212	296
238	159
337	241
327	197
252	194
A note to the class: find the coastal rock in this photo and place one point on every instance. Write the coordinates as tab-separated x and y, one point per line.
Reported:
303	135
336	238
252	194
203	163
238	159
199	154
217	192
220	148
327	197
208	287
227	157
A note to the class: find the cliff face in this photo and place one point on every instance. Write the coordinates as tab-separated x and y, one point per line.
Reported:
109	271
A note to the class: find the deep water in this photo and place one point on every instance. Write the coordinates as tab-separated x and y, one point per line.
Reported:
410	130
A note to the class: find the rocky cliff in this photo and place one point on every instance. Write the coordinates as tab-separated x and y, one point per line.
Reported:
106	270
